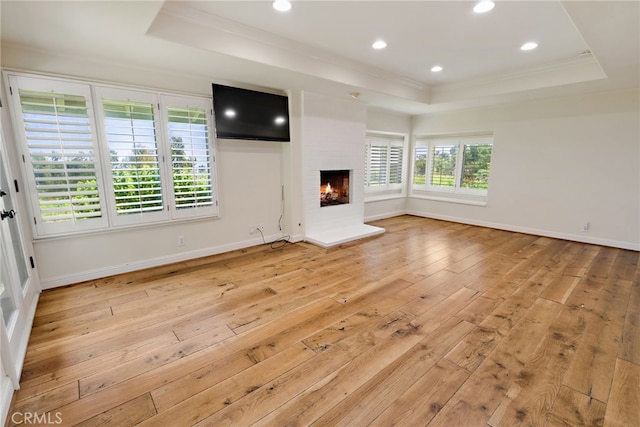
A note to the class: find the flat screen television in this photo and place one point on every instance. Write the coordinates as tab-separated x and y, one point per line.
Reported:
249	114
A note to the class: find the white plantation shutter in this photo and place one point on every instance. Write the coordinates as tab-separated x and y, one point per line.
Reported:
192	168
98	157
395	164
135	158
384	161
377	166
56	125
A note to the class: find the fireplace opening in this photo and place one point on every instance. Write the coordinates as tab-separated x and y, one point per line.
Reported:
334	187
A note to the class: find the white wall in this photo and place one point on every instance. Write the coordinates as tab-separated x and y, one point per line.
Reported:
250	191
250	180
386	121
293	219
557	163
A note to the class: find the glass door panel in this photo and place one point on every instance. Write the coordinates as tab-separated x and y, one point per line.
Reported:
7	299
7	206
18	285
7	216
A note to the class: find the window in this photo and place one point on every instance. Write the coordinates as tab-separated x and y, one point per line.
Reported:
60	154
191	157
384	154
151	161
453	167
129	121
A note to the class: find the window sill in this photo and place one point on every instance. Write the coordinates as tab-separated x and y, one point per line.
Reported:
465	199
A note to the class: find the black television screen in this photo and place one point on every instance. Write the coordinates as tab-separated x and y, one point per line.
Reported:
249	114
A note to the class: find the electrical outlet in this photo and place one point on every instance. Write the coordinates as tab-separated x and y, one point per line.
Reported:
586	226
255	228
180	240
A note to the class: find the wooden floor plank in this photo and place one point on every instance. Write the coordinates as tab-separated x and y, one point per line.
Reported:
164	356
330	391
486	388
531	397
573	408
474	348
629	349
370	400
77	371
604	304
130	413
202	404
623	408
312	375
431	323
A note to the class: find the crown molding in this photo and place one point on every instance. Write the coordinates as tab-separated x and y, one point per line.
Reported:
183	23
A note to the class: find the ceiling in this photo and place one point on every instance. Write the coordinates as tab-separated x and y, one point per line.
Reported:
325	46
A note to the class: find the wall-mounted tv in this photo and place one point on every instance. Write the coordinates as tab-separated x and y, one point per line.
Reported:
249	114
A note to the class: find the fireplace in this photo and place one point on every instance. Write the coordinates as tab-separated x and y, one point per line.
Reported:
334	187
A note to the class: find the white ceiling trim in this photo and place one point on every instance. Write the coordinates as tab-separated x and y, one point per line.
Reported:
578	70
183	24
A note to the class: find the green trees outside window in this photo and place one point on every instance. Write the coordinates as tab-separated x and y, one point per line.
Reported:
190	157
58	136
135	166
476	165
99	157
452	164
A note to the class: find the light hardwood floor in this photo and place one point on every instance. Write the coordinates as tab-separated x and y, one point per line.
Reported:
432	323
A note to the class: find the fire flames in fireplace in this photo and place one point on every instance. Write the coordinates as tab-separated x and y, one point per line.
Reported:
334	187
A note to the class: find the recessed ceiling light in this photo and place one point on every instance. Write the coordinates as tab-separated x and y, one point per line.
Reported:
282	5
436	68
379	44
529	46
483	6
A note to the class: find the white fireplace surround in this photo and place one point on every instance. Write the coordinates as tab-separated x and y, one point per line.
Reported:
333	138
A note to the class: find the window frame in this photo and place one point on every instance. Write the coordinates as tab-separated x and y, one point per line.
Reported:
41	226
191	102
94	93
389	140
455	193
117	94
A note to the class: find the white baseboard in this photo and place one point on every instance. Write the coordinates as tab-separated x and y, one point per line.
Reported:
183	256
6	395
536	232
83	276
296	238
384	216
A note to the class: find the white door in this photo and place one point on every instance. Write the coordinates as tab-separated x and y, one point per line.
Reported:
7	385
18	286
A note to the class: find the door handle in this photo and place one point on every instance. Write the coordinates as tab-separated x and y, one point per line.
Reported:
4	214
2	193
